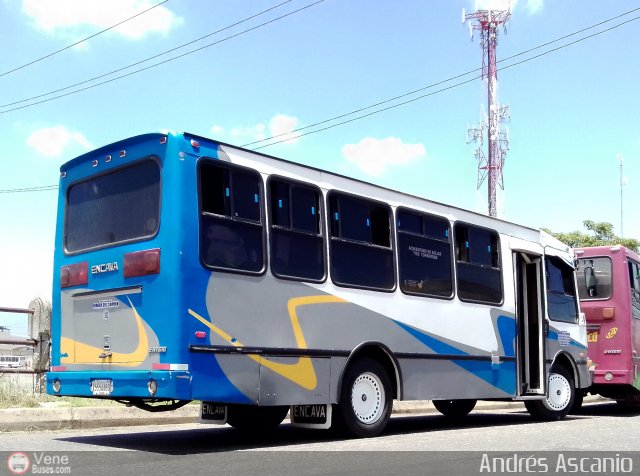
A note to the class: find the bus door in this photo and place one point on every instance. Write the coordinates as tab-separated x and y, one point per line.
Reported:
530	323
634	277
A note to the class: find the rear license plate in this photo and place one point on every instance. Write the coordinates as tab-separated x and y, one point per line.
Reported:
213	412
102	387
309	414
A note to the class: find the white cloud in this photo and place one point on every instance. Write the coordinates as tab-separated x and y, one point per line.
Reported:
276	126
250	133
282	124
532	6
375	156
72	17
52	141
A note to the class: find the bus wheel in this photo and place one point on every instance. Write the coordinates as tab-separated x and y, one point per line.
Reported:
255	418
454	408
576	408
365	399
561	393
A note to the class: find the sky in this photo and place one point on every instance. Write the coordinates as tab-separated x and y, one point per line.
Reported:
573	111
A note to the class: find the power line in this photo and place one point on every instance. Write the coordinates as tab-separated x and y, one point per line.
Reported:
52	187
80	41
461	75
42	188
154	57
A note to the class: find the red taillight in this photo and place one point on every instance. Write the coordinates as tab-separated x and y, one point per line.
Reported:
74	274
142	263
201	334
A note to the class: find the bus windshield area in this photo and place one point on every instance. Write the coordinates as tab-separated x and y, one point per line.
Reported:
117	207
594	278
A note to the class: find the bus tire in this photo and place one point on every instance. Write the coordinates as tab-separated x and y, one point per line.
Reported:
366	399
454	408
576	408
255	418
561	393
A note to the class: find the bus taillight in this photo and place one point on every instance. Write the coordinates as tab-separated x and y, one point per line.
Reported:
141	263
74	274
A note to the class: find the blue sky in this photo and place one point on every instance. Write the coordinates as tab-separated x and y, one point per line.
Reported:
572	111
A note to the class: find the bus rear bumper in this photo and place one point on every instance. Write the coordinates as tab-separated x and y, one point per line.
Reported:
121	384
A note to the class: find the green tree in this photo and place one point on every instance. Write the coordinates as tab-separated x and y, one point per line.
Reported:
598	234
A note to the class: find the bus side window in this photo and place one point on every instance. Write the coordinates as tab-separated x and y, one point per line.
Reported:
361	253
424	254
634	281
231	231
561	294
478	264
297	245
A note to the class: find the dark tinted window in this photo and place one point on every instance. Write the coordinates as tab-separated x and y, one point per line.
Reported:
119	206
297	246
231	232
478	264
424	253
561	294
361	254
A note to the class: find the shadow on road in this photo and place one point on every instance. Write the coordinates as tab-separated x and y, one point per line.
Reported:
225	439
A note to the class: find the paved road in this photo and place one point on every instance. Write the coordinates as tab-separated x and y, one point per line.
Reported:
198	450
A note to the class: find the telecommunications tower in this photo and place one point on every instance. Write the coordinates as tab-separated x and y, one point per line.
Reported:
490	165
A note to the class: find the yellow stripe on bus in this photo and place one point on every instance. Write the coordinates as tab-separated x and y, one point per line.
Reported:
301	372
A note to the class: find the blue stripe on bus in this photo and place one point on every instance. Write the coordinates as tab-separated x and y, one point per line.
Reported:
503	377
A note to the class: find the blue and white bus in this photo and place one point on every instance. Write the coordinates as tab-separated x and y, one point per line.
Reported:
190	269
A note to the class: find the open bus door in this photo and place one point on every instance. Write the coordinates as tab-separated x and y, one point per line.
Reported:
532	376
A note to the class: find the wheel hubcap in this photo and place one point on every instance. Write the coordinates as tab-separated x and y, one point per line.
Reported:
559	393
367	398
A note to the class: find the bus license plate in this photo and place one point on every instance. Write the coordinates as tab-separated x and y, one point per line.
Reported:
309	414
102	387
592	336
214	412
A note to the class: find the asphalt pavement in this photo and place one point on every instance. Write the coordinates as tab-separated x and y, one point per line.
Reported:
58	417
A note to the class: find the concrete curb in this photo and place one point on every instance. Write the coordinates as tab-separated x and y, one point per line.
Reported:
67	418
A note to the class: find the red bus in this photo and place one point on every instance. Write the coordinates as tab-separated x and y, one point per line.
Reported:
609	291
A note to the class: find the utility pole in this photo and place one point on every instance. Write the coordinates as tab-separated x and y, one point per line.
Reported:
621	159
490	165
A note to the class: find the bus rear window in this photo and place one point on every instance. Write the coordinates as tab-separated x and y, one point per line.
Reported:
594	278
117	207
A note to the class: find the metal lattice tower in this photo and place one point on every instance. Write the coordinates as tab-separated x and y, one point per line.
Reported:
490	165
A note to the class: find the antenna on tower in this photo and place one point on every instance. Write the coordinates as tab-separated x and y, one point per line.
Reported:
490	166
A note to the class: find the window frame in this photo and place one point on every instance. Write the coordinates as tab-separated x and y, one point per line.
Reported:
500	267
262	224
331	238
151	157
321	223
546	290
612	288
451	251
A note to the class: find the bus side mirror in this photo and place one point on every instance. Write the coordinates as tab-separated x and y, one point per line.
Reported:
590	281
